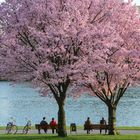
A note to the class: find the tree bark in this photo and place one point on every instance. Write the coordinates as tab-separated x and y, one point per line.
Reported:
112	120
61	121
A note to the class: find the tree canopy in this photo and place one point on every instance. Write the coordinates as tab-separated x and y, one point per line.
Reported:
57	43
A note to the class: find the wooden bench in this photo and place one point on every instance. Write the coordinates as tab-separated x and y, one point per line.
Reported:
96	127
46	127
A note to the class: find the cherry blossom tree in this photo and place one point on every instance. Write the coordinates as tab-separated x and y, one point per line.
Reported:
117	65
46	42
59	43
41	41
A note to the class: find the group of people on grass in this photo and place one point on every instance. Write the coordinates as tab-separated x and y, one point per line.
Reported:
88	123
52	123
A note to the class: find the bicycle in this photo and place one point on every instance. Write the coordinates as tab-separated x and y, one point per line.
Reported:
11	127
27	127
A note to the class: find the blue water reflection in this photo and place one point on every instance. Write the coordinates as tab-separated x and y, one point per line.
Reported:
21	101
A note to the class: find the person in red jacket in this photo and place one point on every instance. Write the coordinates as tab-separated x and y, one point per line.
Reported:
53	124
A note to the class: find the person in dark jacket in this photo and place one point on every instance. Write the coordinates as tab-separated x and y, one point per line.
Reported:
87	125
43	122
102	122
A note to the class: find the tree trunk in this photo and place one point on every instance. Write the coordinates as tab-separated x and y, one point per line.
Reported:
61	121
112	120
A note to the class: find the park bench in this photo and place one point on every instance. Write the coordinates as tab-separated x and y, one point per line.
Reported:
46	126
96	127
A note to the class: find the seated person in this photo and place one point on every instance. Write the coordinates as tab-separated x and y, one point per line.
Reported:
53	124
43	122
87	125
102	122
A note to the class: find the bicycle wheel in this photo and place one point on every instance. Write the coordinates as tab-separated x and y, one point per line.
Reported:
14	129
8	129
25	130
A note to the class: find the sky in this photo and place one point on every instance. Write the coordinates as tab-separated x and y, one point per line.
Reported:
136	1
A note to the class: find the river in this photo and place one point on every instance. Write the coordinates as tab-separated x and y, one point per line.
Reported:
22	102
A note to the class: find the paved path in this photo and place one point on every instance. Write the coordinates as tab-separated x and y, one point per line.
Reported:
79	132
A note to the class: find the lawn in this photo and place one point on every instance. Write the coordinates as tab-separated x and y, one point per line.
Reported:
72	137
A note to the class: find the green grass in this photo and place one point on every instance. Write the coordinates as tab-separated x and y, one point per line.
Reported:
72	137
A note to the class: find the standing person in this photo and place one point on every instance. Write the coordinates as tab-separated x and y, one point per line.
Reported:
103	122
87	125
53	125
43	122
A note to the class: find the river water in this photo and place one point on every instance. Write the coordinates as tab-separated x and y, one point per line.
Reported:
22	102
